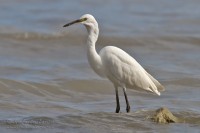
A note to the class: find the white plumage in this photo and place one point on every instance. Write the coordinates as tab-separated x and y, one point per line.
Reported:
125	71
115	64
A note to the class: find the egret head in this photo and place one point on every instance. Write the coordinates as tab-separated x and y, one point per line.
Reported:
87	20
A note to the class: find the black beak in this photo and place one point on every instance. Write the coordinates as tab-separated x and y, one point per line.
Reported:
73	22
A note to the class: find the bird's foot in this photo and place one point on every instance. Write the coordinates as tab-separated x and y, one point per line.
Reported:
117	110
128	109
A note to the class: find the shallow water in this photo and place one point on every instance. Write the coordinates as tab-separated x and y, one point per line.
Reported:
46	84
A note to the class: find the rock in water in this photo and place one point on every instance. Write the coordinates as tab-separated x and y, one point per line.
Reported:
163	115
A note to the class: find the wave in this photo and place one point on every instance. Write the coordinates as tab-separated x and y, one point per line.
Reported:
98	121
72	36
31	35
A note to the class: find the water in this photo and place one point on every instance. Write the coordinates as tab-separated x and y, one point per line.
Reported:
47	85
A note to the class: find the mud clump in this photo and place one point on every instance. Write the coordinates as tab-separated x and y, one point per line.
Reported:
163	115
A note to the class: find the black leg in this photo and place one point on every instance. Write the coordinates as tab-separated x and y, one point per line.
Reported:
127	103
117	100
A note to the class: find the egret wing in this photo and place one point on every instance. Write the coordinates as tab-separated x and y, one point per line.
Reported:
158	85
122	70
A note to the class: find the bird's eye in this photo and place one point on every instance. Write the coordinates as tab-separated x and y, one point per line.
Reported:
84	19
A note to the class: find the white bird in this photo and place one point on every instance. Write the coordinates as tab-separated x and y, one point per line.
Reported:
116	65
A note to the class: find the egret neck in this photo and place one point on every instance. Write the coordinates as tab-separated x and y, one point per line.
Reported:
93	57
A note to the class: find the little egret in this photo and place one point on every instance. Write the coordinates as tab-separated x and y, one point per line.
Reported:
116	65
